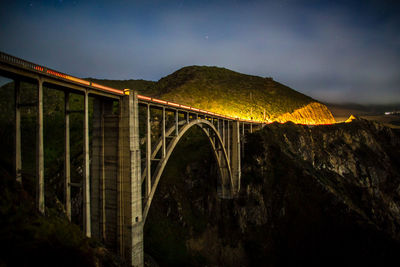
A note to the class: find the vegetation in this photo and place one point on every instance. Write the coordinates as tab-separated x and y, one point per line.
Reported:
292	210
165	217
30	239
49	240
226	92
24	231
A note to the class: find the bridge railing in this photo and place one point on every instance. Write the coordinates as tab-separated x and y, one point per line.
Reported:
46	71
43	70
186	108
17	61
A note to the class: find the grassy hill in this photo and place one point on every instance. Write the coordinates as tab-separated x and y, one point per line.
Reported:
231	93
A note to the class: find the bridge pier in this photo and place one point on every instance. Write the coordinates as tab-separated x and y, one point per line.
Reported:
86	170
17	102
104	170
129	183
39	150
67	159
235	159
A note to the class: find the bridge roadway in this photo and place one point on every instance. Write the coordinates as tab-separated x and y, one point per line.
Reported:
117	194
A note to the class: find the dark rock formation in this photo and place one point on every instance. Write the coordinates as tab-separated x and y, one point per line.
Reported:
323	195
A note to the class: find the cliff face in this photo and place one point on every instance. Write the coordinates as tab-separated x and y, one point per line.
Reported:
323	195
357	163
313	113
363	161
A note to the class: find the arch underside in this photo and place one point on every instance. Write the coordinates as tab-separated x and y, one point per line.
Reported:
226	187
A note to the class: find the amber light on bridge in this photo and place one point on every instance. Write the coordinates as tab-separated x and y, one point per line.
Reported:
108	88
65	76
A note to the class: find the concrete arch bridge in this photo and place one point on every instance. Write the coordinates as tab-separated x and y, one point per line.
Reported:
120	176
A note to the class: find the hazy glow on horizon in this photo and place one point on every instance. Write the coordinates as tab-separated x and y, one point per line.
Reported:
344	52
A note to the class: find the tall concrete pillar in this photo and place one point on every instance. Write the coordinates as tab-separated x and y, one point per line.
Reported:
224	191
67	161
17	102
235	159
242	142
97	168
148	152
223	132
109	179
129	183
164	144
39	150
176	123
86	170
104	172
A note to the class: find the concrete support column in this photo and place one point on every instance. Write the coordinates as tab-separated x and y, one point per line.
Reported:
235	162
108	180
224	190
223	132
129	189
148	152
228	141
163	134
242	142
17	102
39	150
67	161
104	172
176	123
86	170
97	168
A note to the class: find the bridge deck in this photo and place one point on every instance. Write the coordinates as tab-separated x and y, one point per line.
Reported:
14	67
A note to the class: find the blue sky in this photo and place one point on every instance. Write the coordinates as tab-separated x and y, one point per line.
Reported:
335	51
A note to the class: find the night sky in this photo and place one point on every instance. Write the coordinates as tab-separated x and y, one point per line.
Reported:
335	51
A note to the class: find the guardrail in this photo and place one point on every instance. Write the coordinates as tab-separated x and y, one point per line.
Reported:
32	66
43	70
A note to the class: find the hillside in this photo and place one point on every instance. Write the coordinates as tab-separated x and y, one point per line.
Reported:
245	96
231	93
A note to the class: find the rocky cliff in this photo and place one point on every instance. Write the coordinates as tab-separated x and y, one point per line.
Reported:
323	195
313	113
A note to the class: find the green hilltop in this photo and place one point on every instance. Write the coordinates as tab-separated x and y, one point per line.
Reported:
221	91
231	93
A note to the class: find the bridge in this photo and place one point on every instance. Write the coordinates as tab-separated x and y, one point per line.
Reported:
118	186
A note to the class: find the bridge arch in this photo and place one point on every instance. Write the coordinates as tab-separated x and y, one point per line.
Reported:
220	154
